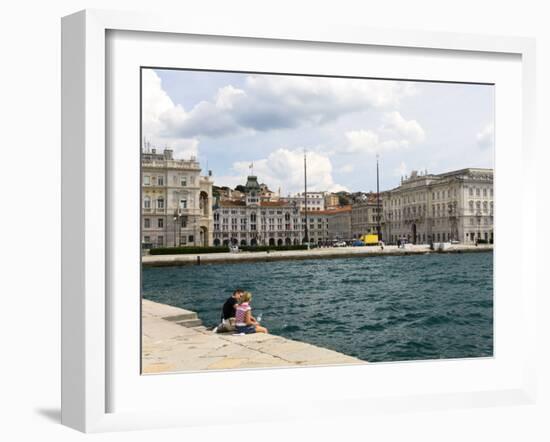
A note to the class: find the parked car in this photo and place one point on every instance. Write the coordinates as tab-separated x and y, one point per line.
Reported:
357	243
340	244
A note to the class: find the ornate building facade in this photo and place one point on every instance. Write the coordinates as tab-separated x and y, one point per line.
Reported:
450	206
256	219
176	202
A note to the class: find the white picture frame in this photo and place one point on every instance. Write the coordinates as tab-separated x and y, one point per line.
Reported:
86	236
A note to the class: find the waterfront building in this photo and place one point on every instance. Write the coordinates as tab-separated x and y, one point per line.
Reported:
339	223
328	225
426	208
364	216
176	201
256	220
318	229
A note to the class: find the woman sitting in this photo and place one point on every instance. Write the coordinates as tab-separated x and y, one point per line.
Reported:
244	321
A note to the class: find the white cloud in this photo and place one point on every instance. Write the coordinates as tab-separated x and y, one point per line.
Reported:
486	137
362	141
268	102
395	133
284	168
346	168
409	130
159	113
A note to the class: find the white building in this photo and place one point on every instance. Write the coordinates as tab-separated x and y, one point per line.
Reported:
456	205
254	220
176	202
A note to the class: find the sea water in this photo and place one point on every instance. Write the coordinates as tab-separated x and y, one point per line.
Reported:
387	308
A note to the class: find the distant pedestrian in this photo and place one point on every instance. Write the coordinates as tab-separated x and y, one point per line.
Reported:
398	243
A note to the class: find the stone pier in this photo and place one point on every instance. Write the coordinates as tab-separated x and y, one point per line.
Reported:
173	340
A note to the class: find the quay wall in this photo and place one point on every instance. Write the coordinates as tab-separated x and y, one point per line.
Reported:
321	253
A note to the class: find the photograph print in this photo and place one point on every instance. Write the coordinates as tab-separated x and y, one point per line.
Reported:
304	220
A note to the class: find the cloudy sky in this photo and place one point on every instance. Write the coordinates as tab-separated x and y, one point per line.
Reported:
229	121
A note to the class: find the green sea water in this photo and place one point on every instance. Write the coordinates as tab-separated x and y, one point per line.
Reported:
387	308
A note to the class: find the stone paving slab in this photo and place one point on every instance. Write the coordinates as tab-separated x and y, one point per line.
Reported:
169	347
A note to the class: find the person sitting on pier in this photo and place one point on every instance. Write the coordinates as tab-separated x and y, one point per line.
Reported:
244	321
228	312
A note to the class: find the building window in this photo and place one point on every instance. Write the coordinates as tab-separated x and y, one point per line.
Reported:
183	222
484	192
183	181
147	203
471	191
146	180
477	191
147	239
160	181
160	240
146	223
160	203
191	238
183	204
160	223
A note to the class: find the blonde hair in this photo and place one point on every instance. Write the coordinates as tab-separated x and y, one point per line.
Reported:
245	297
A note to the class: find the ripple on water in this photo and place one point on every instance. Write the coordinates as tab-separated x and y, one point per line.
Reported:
375	308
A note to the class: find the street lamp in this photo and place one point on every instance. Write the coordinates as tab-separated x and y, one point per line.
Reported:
175	226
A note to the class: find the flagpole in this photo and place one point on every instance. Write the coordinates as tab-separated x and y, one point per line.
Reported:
378	201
